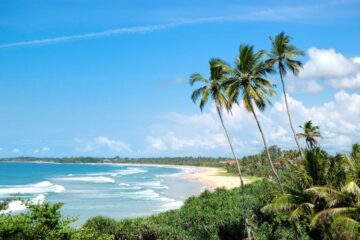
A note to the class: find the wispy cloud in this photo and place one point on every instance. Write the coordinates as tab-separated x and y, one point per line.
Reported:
256	15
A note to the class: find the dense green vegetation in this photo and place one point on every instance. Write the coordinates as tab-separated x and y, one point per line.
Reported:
256	165
322	201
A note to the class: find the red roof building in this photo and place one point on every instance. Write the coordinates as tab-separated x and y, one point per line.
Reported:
279	164
231	162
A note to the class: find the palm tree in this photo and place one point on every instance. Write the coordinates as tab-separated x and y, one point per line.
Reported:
342	211
313	196
214	88
310	134
283	55
248	79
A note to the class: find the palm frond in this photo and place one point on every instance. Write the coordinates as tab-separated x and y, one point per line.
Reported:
197	93
330	195
204	98
196	77
330	213
351	188
301	210
282	203
345	228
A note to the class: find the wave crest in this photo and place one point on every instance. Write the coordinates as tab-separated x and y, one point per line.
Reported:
40	187
88	179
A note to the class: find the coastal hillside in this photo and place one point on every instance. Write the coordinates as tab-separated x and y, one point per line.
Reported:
321	202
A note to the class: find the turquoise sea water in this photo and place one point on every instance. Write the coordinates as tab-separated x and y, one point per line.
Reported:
118	191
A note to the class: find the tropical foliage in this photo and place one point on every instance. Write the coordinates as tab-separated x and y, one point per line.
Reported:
321	202
311	133
323	191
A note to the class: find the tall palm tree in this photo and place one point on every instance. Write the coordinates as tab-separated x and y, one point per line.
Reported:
214	88
282	55
310	134
248	82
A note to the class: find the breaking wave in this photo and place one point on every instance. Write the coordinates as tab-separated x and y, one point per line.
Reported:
122	172
130	171
88	179
18	205
153	184
40	187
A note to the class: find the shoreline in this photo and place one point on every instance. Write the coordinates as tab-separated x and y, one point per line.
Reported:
210	177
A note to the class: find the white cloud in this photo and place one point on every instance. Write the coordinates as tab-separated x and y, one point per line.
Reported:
202	133
42	150
45	149
16	150
327	63
356	59
312	87
156	143
352	82
115	145
86	148
102	144
332	67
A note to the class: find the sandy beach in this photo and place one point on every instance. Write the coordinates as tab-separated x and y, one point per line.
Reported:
214	178
211	177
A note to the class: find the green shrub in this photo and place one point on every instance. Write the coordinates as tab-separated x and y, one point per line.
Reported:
102	225
40	222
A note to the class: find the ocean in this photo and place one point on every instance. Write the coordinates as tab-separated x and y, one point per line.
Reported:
87	190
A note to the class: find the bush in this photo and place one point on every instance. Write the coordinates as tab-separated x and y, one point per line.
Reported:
101	225
40	222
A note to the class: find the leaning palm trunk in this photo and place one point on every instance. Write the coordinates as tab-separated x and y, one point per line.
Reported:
267	151
289	115
248	230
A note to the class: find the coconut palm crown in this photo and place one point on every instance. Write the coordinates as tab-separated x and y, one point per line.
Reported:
310	134
283	56
214	88
248	83
249	80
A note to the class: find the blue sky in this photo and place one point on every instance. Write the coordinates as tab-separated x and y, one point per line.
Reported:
107	78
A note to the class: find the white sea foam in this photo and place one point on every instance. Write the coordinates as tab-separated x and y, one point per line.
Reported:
39	199
124	184
147	194
127	171
41	187
130	171
14	206
88	179
18	205
153	184
173	205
